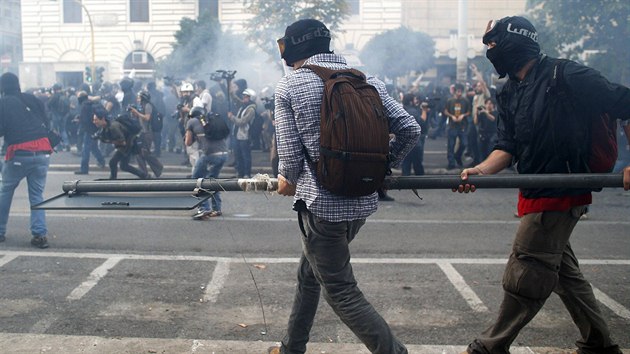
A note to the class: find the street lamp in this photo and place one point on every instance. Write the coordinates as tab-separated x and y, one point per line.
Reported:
93	65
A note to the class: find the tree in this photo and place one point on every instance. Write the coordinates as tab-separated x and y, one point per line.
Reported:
397	52
568	28
272	17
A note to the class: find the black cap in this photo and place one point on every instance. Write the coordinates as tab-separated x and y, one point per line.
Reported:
100	111
9	83
515	29
305	38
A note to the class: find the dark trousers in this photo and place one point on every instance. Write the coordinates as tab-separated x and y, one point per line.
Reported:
543	262
123	159
452	135
90	146
325	265
414	159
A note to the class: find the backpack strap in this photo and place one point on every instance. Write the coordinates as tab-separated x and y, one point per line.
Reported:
326	74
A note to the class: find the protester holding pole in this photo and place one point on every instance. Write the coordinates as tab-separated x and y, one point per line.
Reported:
550	112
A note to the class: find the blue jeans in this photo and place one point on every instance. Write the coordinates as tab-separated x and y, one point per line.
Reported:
325	263
34	168
243	155
215	162
452	155
90	146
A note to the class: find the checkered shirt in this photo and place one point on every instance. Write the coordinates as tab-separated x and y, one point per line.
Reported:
298	98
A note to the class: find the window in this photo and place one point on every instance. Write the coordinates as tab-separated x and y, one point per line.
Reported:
354	6
211	6
72	11
138	10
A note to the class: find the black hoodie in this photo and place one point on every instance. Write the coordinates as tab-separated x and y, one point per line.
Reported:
22	115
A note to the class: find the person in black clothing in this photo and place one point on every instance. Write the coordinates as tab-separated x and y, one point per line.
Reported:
90	146
487	127
125	142
532	132
24	126
416	156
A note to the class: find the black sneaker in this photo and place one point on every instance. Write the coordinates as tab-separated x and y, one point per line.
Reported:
39	242
2	238
80	173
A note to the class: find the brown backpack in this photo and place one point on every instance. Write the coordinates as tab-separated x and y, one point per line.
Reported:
354	134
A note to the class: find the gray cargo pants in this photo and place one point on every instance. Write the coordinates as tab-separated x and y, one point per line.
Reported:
325	265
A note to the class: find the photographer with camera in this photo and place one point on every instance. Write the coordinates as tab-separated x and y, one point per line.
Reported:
145	113
123	137
487	127
269	133
415	157
186	98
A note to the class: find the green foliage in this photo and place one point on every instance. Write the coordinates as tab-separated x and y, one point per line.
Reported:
569	27
397	52
271	18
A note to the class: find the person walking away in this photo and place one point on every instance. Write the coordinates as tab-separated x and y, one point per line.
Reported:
59	109
328	222
242	121
90	146
24	126
542	260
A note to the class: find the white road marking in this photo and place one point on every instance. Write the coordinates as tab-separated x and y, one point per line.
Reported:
613	305
6	259
41	326
97	274
462	287
221	271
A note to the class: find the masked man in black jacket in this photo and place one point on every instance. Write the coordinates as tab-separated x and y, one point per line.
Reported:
530	132
24	125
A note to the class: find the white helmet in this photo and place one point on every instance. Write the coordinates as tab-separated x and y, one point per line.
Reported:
186	87
249	92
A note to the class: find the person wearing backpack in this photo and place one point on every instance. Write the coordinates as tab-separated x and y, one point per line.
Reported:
531	125
329	221
212	157
146	113
121	133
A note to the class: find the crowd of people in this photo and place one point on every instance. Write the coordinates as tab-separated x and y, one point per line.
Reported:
134	121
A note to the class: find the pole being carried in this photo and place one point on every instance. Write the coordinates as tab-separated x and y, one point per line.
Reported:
265	183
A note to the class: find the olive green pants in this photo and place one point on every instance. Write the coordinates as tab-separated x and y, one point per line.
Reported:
543	262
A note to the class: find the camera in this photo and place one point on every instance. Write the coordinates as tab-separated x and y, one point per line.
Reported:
428	102
481	108
97	135
269	102
222	74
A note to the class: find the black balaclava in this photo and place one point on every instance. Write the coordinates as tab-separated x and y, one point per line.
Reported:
305	38
516	44
9	84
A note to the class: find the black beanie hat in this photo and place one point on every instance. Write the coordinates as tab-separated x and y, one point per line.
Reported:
305	38
516	43
9	84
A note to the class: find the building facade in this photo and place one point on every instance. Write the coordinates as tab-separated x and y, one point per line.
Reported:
67	40
10	36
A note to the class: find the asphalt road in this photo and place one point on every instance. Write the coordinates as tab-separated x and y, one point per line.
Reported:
137	282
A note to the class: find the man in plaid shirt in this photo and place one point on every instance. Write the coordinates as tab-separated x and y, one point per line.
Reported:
328	222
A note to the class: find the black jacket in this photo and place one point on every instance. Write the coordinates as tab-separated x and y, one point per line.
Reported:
526	130
17	125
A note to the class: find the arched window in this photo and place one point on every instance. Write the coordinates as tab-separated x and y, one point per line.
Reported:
140	62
